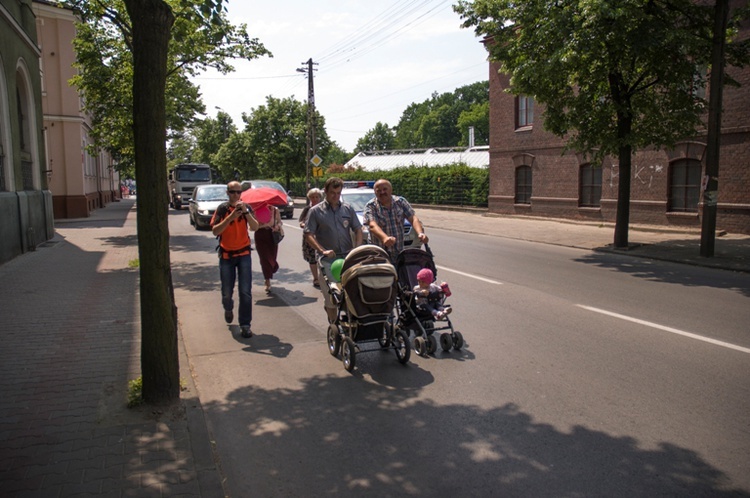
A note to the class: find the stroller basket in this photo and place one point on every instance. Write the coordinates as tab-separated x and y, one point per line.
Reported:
369	284
369	291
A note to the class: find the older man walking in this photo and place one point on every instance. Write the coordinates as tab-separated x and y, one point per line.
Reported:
385	215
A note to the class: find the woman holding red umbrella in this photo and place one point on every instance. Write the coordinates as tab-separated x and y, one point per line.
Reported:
263	200
269	220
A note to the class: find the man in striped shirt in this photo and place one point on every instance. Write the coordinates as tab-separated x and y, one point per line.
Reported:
385	215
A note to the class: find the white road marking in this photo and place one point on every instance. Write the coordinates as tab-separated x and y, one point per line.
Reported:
667	329
469	275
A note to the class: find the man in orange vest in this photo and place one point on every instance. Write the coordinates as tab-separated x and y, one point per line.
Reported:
230	223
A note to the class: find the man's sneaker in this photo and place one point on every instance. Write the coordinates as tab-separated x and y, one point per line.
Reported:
246	332
228	316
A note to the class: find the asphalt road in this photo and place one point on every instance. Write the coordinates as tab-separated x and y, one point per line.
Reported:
583	374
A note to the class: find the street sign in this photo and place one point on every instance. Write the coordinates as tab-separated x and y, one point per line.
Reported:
317	171
316	160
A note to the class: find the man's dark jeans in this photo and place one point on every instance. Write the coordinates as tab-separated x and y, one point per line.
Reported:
239	267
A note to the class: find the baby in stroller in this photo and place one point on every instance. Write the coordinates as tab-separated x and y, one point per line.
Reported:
421	303
430	296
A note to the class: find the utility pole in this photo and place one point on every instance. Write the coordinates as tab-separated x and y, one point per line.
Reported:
711	181
310	119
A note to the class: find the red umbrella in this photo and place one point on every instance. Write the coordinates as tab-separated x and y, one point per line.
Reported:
263	196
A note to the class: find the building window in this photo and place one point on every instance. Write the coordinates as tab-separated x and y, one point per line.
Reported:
590	181
684	185
523	185
524	111
700	79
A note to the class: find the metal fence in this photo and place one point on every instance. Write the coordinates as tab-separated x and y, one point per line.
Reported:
444	192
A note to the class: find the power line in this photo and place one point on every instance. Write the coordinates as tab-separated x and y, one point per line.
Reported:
390	13
371	39
225	78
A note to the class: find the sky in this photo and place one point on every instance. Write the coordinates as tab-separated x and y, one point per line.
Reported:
374	58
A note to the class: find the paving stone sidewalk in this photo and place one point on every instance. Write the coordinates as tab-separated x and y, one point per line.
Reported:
70	332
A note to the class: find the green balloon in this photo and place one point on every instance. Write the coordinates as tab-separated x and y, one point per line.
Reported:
336	269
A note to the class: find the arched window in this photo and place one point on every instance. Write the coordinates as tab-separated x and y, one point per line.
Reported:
684	185
523	185
590	185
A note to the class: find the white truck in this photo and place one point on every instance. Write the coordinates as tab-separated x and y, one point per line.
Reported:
183	178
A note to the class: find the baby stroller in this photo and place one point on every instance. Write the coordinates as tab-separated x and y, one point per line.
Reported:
365	302
415	318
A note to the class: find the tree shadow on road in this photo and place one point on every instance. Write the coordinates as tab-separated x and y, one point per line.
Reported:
338	435
646	265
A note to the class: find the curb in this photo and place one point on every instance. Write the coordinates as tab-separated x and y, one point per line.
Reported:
205	458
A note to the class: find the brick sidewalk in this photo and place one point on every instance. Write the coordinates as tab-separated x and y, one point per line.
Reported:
71	341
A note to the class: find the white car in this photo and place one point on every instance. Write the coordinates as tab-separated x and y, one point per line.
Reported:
203	203
358	198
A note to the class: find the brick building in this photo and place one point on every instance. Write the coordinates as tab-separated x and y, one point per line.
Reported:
530	175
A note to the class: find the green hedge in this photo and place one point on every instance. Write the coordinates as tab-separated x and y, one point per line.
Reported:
454	184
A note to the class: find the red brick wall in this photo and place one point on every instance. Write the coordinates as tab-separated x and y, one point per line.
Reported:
555	175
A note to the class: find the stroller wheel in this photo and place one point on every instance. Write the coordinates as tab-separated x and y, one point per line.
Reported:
349	354
446	341
432	344
458	340
334	339
402	346
420	346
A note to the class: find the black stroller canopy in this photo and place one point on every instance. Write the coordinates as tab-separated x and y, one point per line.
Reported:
408	264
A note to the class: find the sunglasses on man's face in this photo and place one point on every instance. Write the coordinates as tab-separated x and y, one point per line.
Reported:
234	191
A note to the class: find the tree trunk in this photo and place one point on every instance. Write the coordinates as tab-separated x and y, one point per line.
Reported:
625	154
151	24
713	148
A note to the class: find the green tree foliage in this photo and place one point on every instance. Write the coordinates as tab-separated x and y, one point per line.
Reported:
211	134
181	149
237	159
274	141
435	122
336	155
105	65
201	141
613	76
276	135
478	116
407	130
381	137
